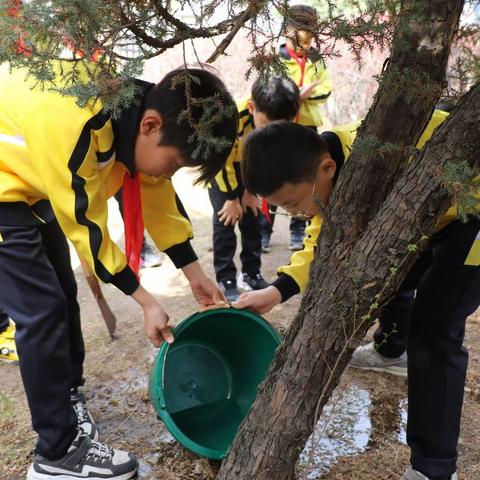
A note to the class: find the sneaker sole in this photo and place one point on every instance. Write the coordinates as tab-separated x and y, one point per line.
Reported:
33	475
7	360
397	371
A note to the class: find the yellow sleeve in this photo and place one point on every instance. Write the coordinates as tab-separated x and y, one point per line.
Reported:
63	143
166	220
293	278
226	180
320	93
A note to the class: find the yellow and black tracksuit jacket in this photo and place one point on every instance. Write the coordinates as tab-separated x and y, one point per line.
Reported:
293	278
229	180
60	160
314	70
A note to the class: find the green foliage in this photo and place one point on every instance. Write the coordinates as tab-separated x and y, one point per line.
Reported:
414	87
412	248
213	113
121	35
462	184
370	145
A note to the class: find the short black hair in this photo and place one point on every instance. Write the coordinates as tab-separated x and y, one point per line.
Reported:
202	123
279	153
278	97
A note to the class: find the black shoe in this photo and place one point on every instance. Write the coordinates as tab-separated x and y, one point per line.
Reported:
85	420
296	241
251	282
85	459
230	290
266	243
149	257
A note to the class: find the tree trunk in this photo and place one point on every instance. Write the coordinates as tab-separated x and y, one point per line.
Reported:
367	231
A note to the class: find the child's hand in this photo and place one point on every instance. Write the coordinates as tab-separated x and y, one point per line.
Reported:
231	212
208	294
260	301
306	90
156	324
252	202
155	319
204	289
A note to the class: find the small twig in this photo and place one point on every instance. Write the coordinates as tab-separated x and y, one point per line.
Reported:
242	19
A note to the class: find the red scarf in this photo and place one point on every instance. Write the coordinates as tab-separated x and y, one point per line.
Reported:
133	220
266	211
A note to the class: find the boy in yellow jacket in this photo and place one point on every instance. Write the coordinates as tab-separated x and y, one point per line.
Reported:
274	99
59	164
446	278
305	65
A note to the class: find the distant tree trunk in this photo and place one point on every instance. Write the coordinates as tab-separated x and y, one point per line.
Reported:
380	206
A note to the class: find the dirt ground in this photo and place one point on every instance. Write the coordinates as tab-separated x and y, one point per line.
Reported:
360	436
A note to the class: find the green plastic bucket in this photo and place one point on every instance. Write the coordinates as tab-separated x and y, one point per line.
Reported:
203	384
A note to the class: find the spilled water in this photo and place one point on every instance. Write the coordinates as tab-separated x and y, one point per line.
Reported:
354	420
360	416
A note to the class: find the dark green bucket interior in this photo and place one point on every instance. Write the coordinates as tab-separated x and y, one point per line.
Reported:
203	385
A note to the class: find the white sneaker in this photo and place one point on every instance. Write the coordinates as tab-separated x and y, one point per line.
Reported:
412	474
366	357
85	459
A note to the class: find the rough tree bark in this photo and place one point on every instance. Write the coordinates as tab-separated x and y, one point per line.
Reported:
368	230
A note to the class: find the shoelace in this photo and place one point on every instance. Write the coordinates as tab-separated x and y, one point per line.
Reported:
81	411
99	451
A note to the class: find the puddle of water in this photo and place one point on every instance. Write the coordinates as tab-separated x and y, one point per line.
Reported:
402	434
358	417
144	469
353	421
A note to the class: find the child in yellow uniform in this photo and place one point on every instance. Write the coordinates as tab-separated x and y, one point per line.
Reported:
446	279
59	164
275	99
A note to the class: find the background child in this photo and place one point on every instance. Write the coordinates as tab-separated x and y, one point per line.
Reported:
275	99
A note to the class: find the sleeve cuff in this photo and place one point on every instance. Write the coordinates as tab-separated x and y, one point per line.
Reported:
320	97
286	285
125	280
233	194
181	254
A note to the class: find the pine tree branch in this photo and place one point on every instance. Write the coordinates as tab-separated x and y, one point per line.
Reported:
242	19
184	31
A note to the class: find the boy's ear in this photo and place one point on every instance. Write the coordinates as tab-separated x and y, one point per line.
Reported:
328	167
151	121
251	107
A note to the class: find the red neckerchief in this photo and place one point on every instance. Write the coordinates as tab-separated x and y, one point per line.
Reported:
301	61
266	211
133	220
